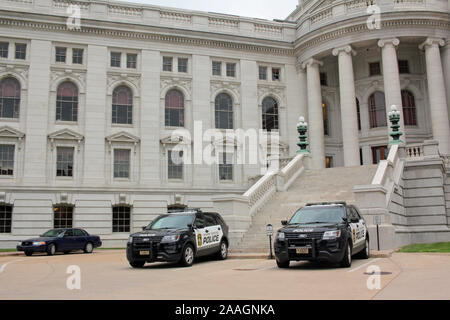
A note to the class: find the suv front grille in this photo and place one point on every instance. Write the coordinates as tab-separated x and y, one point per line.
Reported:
139	243
307	235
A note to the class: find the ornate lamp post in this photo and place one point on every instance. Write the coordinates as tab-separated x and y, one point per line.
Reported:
394	118
302	128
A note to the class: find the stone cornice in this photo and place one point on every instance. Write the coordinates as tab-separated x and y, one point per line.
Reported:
273	47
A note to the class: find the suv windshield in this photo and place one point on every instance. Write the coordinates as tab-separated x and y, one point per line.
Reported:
171	222
53	233
325	214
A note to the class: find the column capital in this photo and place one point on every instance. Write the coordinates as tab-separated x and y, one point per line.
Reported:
432	41
310	62
394	41
347	49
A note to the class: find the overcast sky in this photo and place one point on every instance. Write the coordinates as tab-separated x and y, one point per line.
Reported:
265	9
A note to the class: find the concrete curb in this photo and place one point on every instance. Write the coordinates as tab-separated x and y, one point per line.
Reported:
381	254
248	256
8	254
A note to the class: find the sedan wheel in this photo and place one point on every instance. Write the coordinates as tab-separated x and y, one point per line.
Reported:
51	249
88	248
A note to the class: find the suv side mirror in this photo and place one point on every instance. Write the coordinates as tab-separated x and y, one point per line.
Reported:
143	228
284	222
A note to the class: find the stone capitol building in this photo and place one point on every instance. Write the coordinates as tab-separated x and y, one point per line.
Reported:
88	108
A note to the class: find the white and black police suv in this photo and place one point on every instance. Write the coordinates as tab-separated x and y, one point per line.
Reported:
331	232
179	237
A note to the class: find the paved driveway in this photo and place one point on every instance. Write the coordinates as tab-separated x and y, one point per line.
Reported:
107	275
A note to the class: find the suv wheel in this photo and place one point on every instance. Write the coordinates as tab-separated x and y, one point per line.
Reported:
365	253
283	265
28	253
347	260
187	256
223	253
51	249
137	264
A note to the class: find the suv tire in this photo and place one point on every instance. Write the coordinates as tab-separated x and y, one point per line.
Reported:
365	253
223	251
346	261
187	256
283	265
137	264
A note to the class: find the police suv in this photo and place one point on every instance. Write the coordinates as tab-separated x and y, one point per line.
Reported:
332	232
179	237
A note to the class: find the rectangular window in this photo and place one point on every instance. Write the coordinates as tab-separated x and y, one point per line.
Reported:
262	73
329	162
323	79
115	59
167	63
21	51
131	60
60	54
121	163
64	161
7	159
121	219
5	218
182	65
403	66
231	70
77	56
4	49
122	114
276	74
217	68
226	166
175	165
374	69
379	153
63	217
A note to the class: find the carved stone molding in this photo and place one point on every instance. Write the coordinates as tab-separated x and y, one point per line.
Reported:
116	78
347	49
20	71
65	135
184	83
389	41
122	137
278	92
431	41
57	75
231	86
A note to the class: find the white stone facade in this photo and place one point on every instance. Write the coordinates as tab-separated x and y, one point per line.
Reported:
319	38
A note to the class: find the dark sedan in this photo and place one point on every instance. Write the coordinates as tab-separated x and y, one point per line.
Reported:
60	240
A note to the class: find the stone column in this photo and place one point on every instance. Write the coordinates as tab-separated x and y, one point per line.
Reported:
436	93
445	53
391	77
315	115
349	117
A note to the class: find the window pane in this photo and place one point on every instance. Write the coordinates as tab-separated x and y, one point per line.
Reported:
122	108
121	163
21	51
7	160
121	219
269	114
325	119
67	102
224	111
226	166
377	110
60	54
409	108
115	59
167	63
276	74
182	65
217	68
77	56
323	79
131	60
175	165
374	68
9	98
4	49
5	218
63	217
174	111
64	161
262	73
358	113
403	66
231	69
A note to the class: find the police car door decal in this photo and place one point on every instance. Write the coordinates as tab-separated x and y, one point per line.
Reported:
213	236
199	235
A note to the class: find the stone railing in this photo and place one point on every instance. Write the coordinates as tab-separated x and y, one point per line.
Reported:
223	23
238	210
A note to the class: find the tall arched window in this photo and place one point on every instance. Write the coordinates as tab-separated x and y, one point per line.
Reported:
377	110
325	118
122	105
67	102
269	114
409	108
9	98
358	113
224	111
174	109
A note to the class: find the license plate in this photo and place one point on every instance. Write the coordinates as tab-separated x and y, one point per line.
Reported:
302	250
144	253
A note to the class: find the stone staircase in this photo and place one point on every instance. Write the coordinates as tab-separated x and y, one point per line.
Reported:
321	185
